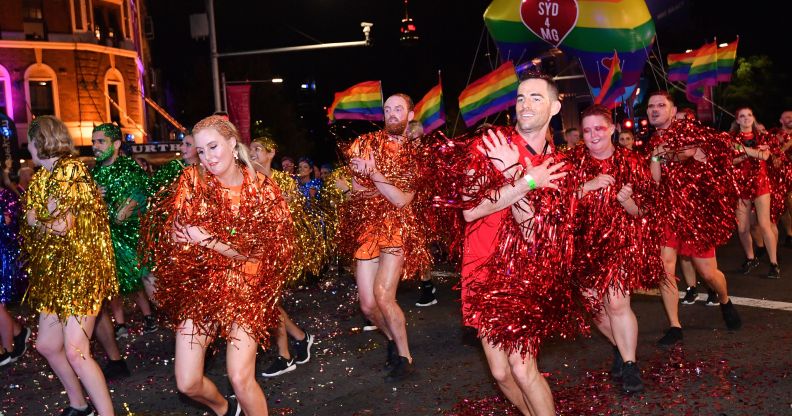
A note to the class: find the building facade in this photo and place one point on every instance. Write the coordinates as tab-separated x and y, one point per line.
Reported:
84	61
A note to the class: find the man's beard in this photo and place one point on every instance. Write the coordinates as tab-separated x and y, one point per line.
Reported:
395	128
106	154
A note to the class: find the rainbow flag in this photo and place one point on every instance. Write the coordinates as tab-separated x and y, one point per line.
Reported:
679	65
613	87
704	69
726	57
359	102
430	110
490	94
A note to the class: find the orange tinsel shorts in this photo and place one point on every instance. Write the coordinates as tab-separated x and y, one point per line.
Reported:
378	238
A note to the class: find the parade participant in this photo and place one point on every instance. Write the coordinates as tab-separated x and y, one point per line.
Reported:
627	139
306	183
379	226
124	186
692	167
13	280
752	151
70	263
161	181
502	169
617	251
571	137
784	136
309	258
221	239
287	165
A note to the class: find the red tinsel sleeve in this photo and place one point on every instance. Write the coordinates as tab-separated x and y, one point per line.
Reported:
213	290
779	173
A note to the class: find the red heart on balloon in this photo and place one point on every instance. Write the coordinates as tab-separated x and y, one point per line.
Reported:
550	20
607	62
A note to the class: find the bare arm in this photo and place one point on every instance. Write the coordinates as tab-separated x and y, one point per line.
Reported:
199	236
627	202
393	194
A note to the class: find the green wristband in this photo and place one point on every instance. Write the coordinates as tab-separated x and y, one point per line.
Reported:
530	181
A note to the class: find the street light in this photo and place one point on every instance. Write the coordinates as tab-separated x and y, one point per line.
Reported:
277	80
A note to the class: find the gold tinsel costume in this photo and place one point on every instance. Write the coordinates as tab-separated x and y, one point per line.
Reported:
198	283
310	246
332	198
368	221
70	275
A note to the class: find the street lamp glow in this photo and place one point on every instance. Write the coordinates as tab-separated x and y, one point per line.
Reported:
723	45
277	80
304	86
689	50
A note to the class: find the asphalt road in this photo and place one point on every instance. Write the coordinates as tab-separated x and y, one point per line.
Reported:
714	372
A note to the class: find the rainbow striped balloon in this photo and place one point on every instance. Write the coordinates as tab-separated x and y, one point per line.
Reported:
597	29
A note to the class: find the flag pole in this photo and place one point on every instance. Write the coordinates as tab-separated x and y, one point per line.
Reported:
712	89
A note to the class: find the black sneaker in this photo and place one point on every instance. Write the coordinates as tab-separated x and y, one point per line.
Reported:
20	344
369	326
115	369
234	408
749	264
631	378
712	298
672	336
303	349
279	366
121	331
427	296
401	370
775	271
70	411
618	364
730	316
150	324
691	294
5	358
392	357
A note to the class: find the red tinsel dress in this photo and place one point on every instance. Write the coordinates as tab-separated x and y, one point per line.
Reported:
696	199
518	292
368	222
756	177
614	250
211	289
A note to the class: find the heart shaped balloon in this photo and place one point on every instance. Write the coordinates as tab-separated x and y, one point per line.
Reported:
550	20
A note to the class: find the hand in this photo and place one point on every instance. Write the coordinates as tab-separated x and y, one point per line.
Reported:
699	155
659	150
364	165
190	234
102	190
31	217
625	193
763	147
501	153
544	174
601	181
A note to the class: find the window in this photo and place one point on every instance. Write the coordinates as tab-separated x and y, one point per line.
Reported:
114	92
5	93
41	98
41	91
33	19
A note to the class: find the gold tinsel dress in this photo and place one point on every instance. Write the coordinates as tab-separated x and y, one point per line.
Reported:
70	275
200	284
332	198
310	246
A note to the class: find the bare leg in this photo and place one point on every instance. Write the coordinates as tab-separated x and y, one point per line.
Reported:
365	273
143	303
744	227
49	344
190	379
688	271
499	367
117	306
623	323
426	275
668	289
77	346
286	326
7	328
532	384
106	335
291	328
150	287
241	366
768	230
385	284
708	270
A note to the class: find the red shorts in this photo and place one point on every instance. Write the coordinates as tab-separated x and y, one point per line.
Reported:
672	241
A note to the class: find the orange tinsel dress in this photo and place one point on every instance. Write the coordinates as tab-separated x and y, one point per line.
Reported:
213	290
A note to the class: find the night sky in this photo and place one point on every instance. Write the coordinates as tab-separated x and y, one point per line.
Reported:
450	32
